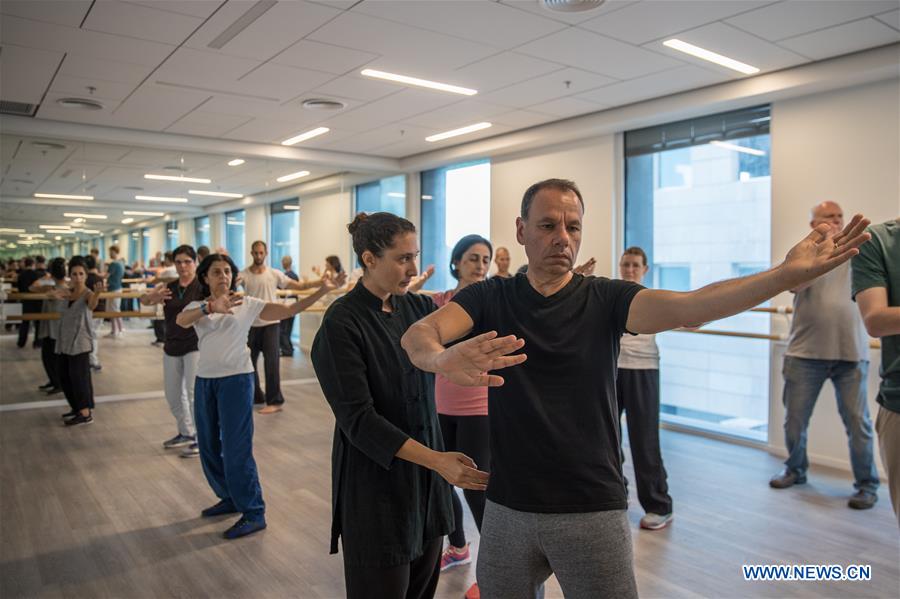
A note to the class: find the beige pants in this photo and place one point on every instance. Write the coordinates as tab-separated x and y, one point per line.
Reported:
887	425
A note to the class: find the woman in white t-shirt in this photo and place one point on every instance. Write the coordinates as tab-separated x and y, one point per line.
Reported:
223	389
637	391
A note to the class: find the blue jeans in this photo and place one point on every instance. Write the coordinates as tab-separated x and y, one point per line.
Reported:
223	413
803	380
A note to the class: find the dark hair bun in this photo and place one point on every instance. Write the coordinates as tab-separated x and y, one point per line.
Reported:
358	220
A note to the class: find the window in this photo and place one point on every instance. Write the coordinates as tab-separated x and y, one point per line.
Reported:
697	200
385	195
145	246
285	232
134	246
201	231
171	235
234	236
456	201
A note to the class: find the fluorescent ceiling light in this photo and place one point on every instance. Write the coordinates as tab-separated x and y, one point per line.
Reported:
30	235
396	194
427	197
460	131
737	148
160	199
90	231
444	87
127	221
291	207
80	215
78	221
62	196
5	230
235	223
137	213
702	53
177	178
236	162
218	194
304	136
57	238
292	176
54	227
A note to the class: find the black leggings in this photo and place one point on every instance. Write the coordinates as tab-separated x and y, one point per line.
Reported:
415	580
75	378
265	340
50	359
469	435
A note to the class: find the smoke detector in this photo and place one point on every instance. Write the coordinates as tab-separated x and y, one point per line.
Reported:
323	104
570	5
80	103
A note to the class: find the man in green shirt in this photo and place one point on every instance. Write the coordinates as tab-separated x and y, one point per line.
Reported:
876	289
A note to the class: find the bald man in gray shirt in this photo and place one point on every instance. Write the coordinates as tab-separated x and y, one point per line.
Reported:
828	341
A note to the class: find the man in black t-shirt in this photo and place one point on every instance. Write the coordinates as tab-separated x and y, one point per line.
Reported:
27	276
556	496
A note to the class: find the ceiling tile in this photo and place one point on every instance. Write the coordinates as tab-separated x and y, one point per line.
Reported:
206	124
482	21
401	46
263	130
155	108
794	17
277	81
52	111
567	107
357	87
103	90
734	43
890	18
273	31
842	39
571	18
25	73
382	136
547	87
46	36
210	71
397	107
323	57
141	22
465	112
596	53
193	8
502	70
85	67
657	84
653	19
520	119
60	12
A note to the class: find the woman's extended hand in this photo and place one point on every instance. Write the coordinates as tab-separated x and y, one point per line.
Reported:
224	304
460	471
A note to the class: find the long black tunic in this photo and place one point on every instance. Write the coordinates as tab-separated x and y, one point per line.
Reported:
384	508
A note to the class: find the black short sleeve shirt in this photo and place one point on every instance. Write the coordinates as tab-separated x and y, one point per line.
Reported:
554	423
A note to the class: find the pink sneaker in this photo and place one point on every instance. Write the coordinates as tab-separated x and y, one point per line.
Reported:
453	557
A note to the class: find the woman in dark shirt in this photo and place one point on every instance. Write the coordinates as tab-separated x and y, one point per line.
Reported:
391	514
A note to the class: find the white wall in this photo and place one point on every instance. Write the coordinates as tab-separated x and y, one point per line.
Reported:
186	232
841	146
157	240
590	164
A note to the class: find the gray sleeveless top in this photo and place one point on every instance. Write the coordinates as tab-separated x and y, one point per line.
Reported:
75	328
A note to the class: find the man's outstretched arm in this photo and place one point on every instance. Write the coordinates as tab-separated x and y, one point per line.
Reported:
657	310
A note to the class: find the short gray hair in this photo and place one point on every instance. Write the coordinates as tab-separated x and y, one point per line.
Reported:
558	184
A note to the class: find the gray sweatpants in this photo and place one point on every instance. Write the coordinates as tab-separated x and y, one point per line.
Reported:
180	373
590	554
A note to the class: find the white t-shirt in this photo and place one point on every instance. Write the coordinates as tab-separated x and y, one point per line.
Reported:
264	286
222	339
638	352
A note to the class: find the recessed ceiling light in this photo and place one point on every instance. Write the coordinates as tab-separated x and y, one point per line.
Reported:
179	178
62	196
80	103
571	5
292	176
127	221
304	136
80	215
91	231
137	213
58	237
218	194
709	55
161	199
737	148
236	162
444	87
460	131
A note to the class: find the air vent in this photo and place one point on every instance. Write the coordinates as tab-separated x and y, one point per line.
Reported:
180	169
24	181
322	104
80	104
17	108
133	188
48	145
571	5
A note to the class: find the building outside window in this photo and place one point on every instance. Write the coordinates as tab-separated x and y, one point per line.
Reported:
235	241
698	201
384	195
201	231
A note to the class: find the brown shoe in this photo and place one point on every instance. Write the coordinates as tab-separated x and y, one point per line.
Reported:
270	409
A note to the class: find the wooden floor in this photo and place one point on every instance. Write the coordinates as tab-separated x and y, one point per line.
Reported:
104	511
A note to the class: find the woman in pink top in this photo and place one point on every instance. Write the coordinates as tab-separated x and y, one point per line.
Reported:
463	411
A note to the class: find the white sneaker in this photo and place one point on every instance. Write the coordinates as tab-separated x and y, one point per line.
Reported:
652	521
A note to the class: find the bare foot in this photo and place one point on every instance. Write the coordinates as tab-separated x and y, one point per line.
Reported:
270	409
